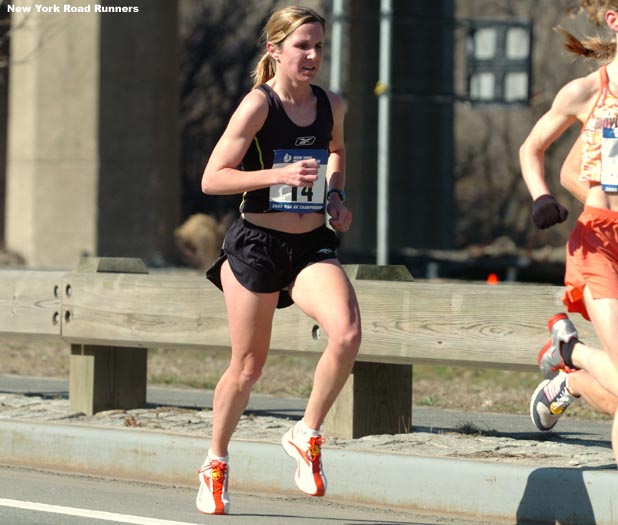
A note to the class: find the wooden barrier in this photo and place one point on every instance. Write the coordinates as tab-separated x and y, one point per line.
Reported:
105	376
30	302
404	322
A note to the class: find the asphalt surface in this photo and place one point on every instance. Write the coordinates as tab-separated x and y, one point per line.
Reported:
479	464
29	497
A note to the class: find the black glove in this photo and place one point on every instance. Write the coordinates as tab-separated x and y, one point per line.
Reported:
547	211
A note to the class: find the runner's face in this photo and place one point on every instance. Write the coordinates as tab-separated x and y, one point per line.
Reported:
300	55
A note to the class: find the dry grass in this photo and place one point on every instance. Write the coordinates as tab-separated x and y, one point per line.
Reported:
283	375
440	387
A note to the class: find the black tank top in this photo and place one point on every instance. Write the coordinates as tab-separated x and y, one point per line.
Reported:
279	132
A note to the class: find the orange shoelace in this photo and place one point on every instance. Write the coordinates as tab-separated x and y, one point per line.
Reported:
216	471
314	451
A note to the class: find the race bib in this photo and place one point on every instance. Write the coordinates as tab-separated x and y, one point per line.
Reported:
299	200
609	160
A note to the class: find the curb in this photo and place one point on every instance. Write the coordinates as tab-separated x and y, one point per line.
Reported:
485	490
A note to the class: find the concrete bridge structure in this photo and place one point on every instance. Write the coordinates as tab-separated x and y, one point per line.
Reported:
92	133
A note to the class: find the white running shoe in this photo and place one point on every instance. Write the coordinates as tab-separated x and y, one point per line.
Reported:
549	401
212	497
561	330
306	451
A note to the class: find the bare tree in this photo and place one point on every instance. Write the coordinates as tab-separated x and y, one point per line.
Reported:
218	52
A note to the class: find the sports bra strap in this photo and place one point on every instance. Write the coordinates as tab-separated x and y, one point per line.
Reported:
604	76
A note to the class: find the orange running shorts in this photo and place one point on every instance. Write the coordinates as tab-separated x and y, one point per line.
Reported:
592	259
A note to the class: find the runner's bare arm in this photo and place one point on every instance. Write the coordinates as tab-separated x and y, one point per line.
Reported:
569	173
571	104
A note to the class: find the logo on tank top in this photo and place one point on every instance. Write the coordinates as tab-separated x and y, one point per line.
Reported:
605	122
304	141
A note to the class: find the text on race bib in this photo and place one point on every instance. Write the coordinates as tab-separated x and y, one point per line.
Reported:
299	199
609	160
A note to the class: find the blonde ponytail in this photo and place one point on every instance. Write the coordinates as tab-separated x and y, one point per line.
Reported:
594	47
591	47
264	70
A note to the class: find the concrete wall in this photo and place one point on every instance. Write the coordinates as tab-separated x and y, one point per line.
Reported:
92	133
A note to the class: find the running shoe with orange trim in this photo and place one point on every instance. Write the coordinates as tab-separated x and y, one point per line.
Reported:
212	497
561	330
306	450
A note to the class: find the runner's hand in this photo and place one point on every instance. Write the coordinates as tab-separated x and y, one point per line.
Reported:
300	174
340	216
547	211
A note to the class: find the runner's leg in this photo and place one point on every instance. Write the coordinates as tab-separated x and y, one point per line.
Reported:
602	364
250	317
323	291
582	384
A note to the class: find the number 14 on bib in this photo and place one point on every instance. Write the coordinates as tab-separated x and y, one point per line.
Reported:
299	200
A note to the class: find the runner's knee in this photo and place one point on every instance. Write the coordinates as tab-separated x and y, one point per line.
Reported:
346	340
247	374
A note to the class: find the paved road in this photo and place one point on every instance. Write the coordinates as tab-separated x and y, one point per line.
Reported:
30	496
507	470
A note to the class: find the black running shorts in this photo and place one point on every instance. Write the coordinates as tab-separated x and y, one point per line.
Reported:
267	261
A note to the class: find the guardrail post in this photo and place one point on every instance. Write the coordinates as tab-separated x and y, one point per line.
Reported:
377	398
107	377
